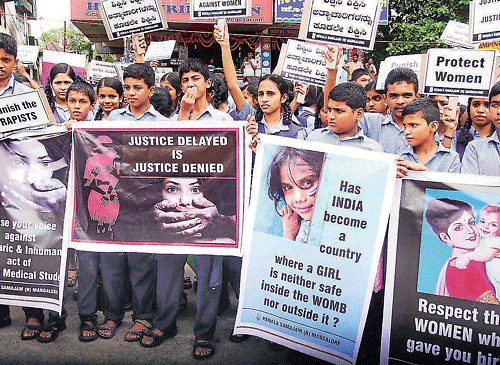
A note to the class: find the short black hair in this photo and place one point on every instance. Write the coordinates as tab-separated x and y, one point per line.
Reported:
357	73
173	79
140	71
372	86
495	90
162	102
196	65
8	44
426	106
401	74
352	94
82	87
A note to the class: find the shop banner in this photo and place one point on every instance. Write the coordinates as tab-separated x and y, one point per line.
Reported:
33	181
443	273
220	8
51	58
458	72
456	34
348	23
484	16
314	233
100	69
156	189
304	62
24	110
27	54
123	18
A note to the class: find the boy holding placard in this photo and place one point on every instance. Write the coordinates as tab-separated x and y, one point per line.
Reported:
421	121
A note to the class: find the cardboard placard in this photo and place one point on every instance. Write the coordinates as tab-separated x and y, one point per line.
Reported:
100	69
456	34
304	62
120	66
484	21
219	8
460	72
159	50
413	62
51	58
27	54
25	110
123	18
349	23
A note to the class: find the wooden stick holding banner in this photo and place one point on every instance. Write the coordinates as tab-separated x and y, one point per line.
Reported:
123	18
348	23
457	72
203	9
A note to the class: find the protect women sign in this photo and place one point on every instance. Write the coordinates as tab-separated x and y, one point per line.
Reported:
315	232
146	188
441	304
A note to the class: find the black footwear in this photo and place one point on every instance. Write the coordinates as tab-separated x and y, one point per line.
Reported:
170	332
109	327
31	331
136	334
88	327
203	344
53	330
238	338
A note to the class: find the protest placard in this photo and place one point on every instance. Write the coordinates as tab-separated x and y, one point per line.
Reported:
123	18
129	180
24	110
200	9
51	58
159	50
315	231
304	62
27	54
456	34
484	17
460	72
414	62
160	72
100	69
351	23
33	180
440	305
120	66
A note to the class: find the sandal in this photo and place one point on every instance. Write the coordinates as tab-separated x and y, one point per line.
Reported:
238	338
53	330
31	331
135	333
108	329
170	332
72	278
88	327
203	344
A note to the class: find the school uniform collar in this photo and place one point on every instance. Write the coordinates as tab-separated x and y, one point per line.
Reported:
440	149
494	138
358	136
209	109
150	111
8	87
278	127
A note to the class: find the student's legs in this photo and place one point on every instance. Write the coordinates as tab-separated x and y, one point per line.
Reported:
113	268
169	283
142	268
4	316
88	265
207	296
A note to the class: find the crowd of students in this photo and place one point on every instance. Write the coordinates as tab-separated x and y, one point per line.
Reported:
424	132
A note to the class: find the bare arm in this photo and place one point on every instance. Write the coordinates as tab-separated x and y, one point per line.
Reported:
332	56
22	70
221	34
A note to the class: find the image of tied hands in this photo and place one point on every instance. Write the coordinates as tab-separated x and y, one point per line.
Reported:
185	214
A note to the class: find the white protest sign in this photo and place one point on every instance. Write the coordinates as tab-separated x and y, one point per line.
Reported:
120	66
99	70
122	18
484	21
159	50
220	8
456	34
27	54
24	110
350	23
413	61
460	72
305	63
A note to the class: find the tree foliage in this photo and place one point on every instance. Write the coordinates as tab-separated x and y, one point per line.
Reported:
76	41
416	25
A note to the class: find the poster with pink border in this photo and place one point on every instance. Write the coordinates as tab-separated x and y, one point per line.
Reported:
145	187
51	58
